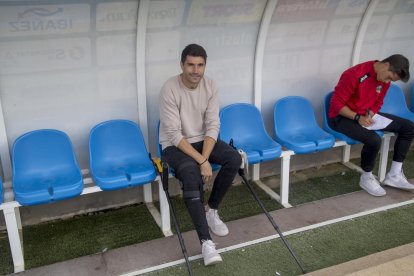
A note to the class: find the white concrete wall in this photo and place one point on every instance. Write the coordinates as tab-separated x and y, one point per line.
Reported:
72	64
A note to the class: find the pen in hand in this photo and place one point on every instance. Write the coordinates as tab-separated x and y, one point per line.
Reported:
368	114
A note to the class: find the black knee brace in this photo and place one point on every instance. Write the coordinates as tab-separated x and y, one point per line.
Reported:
192	183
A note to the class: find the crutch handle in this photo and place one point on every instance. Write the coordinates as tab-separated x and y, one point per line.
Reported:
245	161
164	175
157	164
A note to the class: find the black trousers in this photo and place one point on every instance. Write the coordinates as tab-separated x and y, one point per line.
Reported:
188	172
404	129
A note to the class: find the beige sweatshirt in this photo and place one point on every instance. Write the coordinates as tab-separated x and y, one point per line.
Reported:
188	113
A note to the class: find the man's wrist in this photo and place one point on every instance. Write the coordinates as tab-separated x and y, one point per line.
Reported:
356	117
203	162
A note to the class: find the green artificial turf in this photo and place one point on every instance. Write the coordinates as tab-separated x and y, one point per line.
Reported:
336	183
6	262
238	203
318	248
61	240
323	187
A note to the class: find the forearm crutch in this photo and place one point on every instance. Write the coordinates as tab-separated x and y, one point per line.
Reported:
162	169
241	172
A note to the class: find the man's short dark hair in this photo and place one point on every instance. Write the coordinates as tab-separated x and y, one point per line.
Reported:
193	50
399	65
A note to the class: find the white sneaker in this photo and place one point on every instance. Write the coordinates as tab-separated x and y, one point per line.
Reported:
217	226
209	252
398	181
371	185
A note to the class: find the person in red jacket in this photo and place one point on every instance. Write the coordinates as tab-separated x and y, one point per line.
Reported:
357	97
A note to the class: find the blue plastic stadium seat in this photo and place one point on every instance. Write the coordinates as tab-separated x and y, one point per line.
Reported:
243	123
394	103
326	126
118	156
338	135
296	128
45	168
412	98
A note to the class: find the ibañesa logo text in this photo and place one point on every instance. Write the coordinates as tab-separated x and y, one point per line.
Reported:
40	19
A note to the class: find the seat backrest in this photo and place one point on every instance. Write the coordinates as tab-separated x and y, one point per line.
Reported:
326	104
116	141
338	135
40	152
394	102
159	147
243	123
293	114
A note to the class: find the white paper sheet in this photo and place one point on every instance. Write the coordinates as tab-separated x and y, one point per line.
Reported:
380	122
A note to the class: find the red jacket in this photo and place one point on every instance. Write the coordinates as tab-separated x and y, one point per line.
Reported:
358	89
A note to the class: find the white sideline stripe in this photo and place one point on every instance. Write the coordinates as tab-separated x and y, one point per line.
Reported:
272	237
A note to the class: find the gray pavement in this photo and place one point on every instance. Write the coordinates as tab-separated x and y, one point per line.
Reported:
164	250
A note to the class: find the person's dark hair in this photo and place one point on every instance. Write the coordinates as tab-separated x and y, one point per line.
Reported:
399	65
193	50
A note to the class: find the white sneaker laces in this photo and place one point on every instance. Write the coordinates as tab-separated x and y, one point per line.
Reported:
209	246
217	220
